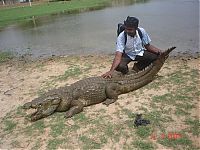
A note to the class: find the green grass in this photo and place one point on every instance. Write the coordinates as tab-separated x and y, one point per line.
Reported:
144	131
177	78
54	143
11	15
129	113
166	98
80	117
57	129
35	128
5	56
142	145
194	126
73	71
9	125
37	145
183	141
181	112
97	128
89	143
20	111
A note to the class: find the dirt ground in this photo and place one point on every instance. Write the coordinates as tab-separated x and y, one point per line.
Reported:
23	80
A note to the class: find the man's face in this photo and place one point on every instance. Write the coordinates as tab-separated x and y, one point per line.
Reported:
131	31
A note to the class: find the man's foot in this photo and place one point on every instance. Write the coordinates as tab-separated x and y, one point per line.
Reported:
131	72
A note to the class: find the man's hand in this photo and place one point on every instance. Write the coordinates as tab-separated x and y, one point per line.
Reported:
116	61
159	52
107	74
153	49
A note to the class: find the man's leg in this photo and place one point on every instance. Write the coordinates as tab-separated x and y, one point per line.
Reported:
123	66
144	61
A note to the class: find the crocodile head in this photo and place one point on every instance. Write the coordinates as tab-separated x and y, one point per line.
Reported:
44	105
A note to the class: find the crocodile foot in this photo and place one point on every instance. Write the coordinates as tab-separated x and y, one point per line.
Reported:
74	110
107	102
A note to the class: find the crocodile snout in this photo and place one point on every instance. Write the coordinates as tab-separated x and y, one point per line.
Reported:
27	105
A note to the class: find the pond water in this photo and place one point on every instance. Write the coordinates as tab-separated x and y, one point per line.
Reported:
169	23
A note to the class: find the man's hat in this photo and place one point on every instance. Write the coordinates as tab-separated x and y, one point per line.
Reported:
131	22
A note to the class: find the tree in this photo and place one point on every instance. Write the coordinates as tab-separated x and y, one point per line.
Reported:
3	2
30	3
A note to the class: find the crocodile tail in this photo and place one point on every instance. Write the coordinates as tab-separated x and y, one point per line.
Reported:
165	54
162	57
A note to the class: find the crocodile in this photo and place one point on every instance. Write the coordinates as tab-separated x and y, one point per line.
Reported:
93	90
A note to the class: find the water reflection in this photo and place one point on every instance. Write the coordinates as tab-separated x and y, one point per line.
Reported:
95	32
38	21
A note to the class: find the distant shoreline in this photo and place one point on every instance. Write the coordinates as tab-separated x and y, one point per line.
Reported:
10	15
6	57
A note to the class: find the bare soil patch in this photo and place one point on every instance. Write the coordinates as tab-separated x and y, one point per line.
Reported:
171	102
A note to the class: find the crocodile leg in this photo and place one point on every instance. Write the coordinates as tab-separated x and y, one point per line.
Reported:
76	107
112	92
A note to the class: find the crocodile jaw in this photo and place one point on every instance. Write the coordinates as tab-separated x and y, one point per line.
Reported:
44	106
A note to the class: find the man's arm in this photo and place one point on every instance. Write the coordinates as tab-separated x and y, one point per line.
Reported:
116	61
152	49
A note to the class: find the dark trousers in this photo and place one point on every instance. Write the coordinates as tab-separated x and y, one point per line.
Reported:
142	62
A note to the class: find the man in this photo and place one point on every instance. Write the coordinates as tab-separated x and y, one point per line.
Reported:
131	47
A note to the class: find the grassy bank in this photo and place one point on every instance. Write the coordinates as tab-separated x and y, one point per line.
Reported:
170	102
5	56
12	15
